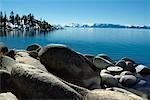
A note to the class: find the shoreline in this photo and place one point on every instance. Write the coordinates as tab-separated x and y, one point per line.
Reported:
72	70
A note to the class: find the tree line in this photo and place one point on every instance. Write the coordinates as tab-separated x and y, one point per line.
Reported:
23	22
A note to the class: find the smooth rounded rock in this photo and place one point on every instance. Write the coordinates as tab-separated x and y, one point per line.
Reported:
130	67
138	95
128	59
69	65
128	80
126	73
6	63
100	94
11	54
21	54
121	63
7	96
115	69
105	57
105	71
33	47
30	83
109	80
117	77
142	69
143	85
101	63
3	48
31	61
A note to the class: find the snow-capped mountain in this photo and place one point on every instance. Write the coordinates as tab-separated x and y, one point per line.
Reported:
99	25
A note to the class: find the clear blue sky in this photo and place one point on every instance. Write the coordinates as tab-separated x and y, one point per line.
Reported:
132	12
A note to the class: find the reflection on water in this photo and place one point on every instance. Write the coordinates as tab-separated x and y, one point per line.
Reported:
134	43
19	33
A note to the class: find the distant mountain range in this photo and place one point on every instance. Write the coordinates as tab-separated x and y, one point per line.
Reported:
97	25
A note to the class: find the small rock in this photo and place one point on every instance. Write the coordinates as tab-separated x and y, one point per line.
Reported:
115	69
3	49
128	80
33	47
130	67
121	63
143	70
126	73
128	59
11	54
90	57
105	71
105	57
109	80
117	77
101	63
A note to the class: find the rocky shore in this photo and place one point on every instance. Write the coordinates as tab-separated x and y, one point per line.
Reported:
56	72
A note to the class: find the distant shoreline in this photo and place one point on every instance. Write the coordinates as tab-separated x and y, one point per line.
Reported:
15	22
76	25
104	28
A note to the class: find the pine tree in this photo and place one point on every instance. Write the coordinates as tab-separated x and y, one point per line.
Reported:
1	19
17	19
24	17
5	21
31	19
12	18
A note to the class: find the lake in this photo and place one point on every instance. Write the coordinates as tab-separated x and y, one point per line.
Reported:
117	43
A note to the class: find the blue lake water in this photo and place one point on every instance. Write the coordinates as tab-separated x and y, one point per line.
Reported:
133	43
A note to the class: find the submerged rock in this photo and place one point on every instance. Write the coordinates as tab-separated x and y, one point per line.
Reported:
30	83
143	70
69	65
33	47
